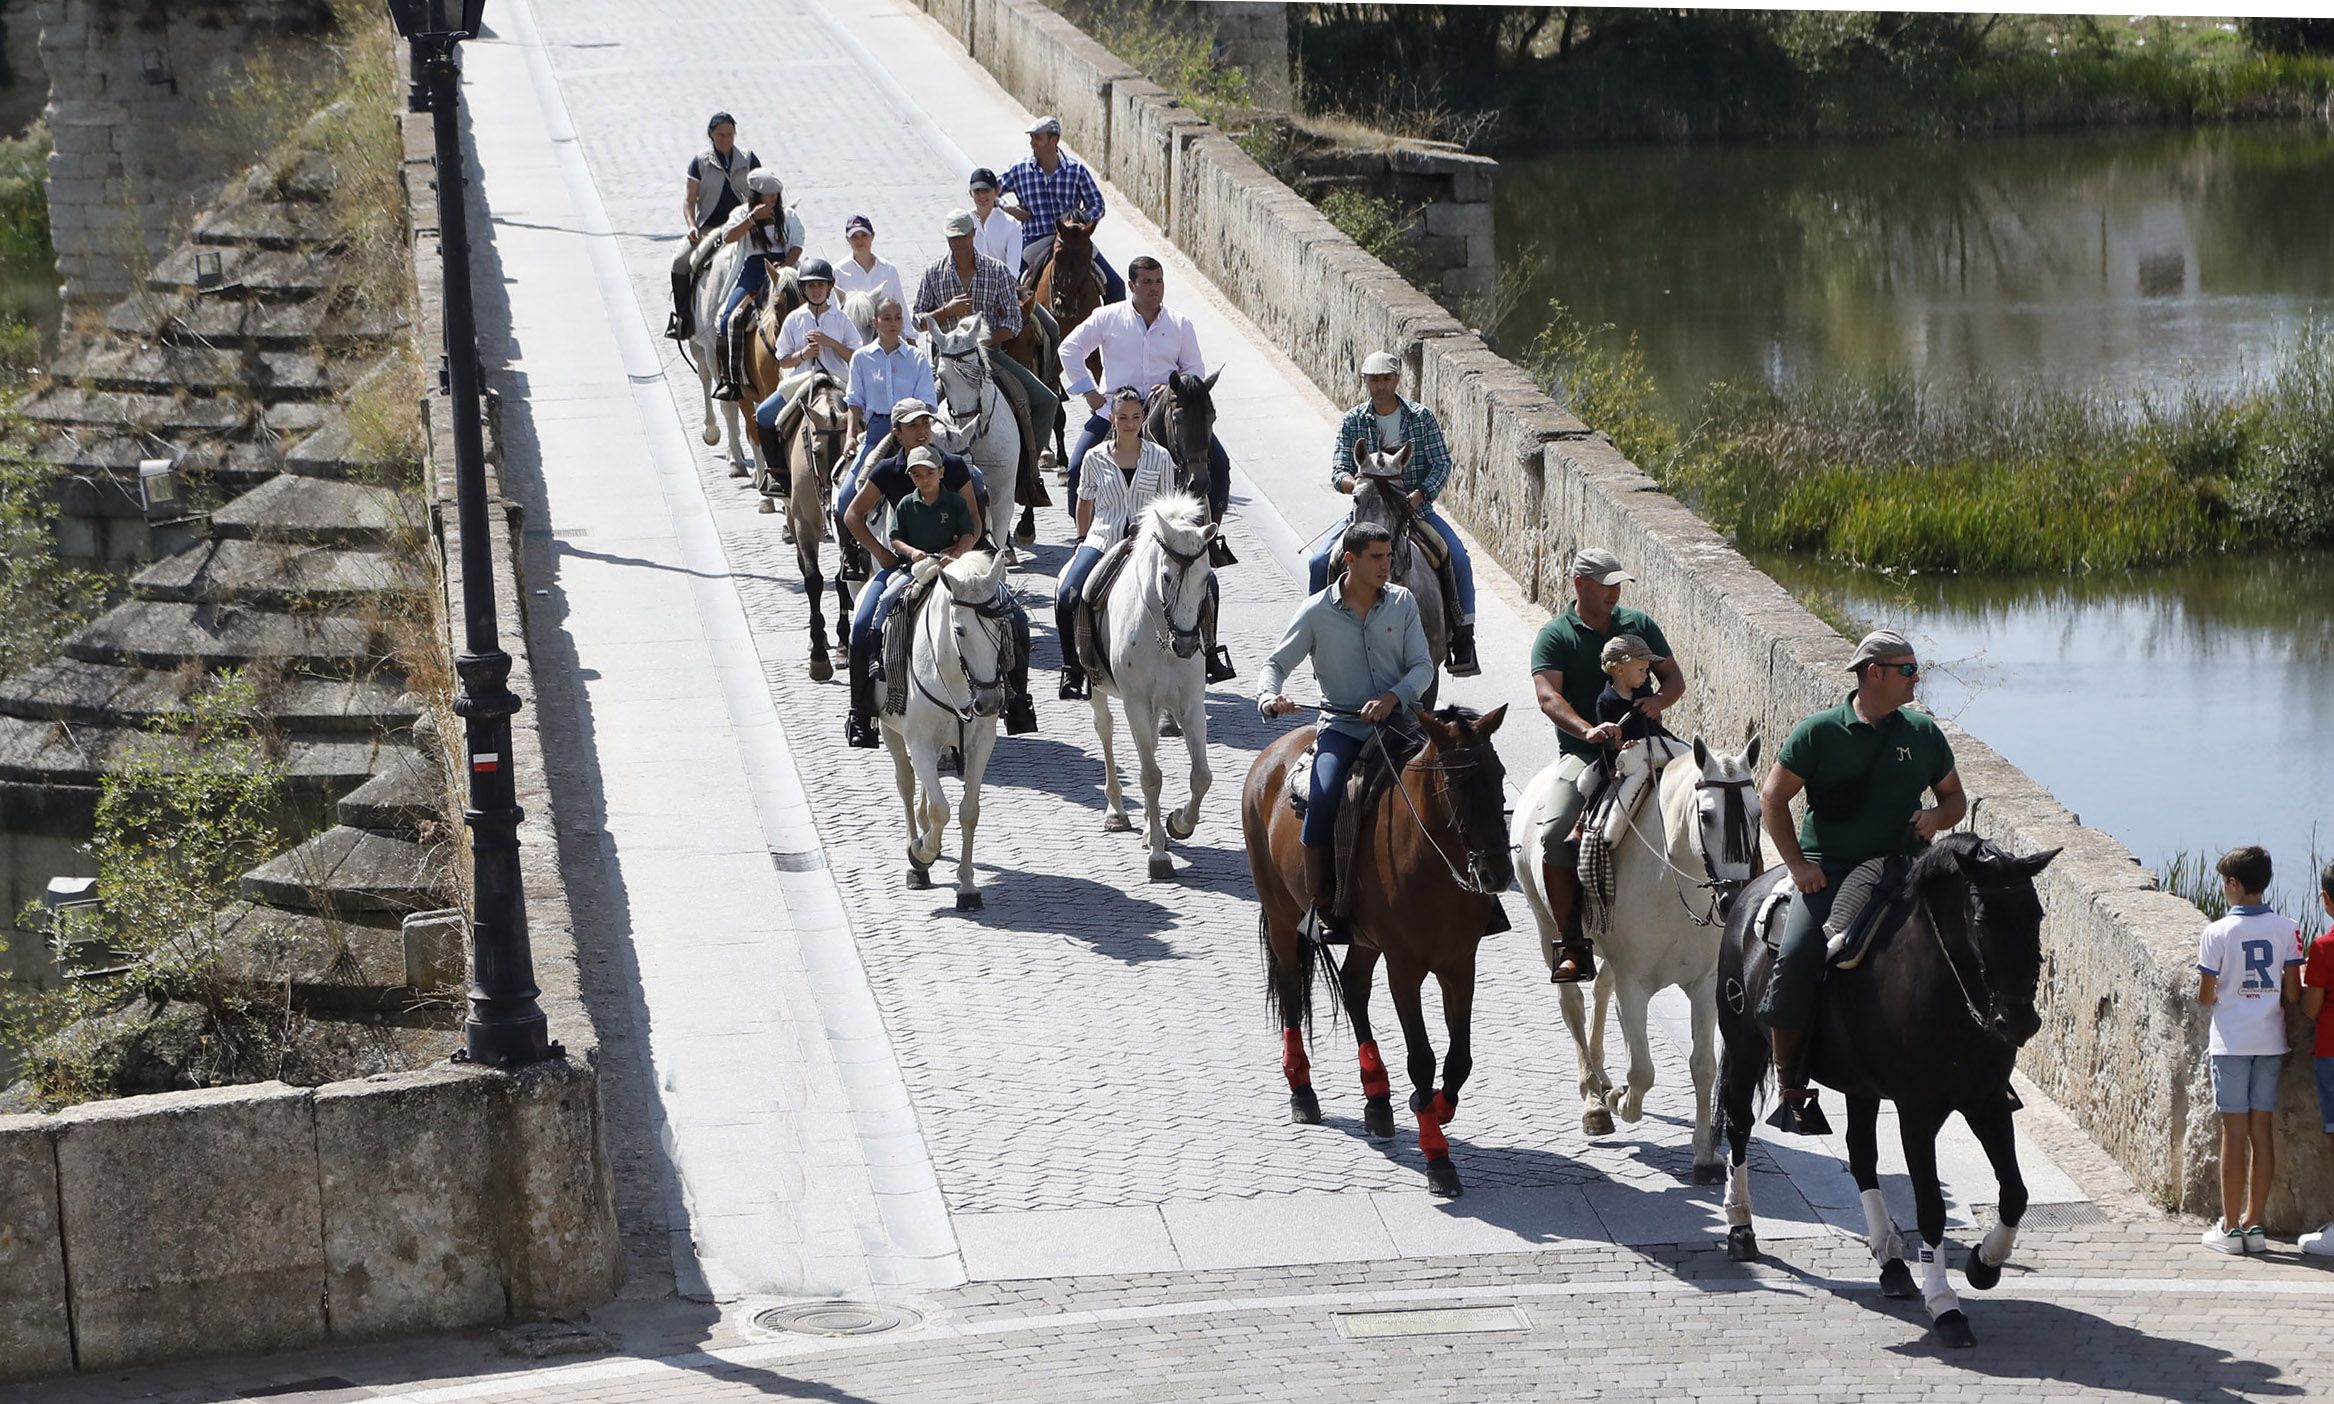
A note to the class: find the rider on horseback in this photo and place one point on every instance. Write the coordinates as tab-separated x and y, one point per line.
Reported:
886	483
1568	675
1050	184
996	232
1370	658
863	271
717	185
1864	765
771	234
816	331
883	373
1142	343
964	281
1390	421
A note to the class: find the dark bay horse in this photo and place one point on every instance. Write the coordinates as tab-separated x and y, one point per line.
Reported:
1070	285
1431	860
1182	420
1932	1021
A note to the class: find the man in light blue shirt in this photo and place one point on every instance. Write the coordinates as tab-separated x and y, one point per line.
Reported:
1371	661
883	374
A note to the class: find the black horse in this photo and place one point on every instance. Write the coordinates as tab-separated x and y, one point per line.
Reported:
1181	418
1931	1020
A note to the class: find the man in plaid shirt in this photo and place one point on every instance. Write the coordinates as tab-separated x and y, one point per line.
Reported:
1389	421
964	281
1049	185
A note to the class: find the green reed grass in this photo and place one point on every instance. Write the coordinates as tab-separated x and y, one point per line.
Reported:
2191	875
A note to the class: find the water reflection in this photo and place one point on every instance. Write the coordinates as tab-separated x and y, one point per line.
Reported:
2185	708
2150	260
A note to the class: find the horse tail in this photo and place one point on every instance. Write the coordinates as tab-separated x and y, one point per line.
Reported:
1295	996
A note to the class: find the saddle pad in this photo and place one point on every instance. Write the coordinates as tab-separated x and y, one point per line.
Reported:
897	644
1088	615
1300	782
1770	907
1877	900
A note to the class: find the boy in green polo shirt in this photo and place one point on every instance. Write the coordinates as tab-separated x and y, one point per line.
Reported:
930	522
1865	765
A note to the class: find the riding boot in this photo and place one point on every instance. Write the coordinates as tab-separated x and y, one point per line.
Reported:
683	323
1219	658
1020	715
773	458
1220	553
1797	1111
1321	876
1577	954
1463	661
1074	688
725	383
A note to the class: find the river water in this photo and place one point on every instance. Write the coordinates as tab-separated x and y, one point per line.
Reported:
2181	709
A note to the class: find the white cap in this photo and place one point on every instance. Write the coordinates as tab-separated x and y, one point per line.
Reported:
958	224
1046	124
1381	363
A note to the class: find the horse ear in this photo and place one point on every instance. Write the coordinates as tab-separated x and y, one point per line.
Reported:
1490	722
1750	755
1360	450
2034	863
1402	455
1701	754
1209	384
1208	533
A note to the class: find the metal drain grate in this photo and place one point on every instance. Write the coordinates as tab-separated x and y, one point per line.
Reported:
837	1319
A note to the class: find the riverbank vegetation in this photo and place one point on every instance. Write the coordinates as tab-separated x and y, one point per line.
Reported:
1534	76
1891	473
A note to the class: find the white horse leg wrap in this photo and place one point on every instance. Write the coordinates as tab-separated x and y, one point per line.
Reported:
1999	1240
1738	1205
1936	1293
1879	1228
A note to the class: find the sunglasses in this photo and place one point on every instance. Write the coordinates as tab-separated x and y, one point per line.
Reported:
1903	670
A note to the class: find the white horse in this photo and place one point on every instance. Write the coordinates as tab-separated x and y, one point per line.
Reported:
1151	642
860	308
1690	848
713	289
957	665
975	419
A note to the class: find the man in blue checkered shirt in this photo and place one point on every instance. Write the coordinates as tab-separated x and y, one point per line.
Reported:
1389	421
1049	185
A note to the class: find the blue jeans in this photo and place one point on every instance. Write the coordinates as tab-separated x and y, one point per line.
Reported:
1097	431
1333	759
876	604
751	279
2324	1068
878	425
1324	549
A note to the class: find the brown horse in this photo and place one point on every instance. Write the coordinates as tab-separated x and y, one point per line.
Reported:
1070	285
1432	856
814	457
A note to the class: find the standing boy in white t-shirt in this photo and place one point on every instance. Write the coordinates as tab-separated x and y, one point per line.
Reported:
2249	965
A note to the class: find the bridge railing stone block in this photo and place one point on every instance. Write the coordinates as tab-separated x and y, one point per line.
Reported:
1146	126
36	1336
1050	66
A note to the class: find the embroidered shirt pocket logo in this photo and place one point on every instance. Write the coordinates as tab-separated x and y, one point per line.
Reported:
1904	753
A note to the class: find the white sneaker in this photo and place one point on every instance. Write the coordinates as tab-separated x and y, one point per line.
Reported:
2224	1240
2319	1244
2257	1239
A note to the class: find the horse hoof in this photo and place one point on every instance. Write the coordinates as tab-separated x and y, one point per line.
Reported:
712	438
1632	1109
1118	824
1442	1179
1026	533
1596	1121
740	470
1982	1275
919	879
1952	1331
1178	830
821	669
1742	1245
1378	1118
1162	868
1712	1174
1304	1106
1896	1280
765	507
968	901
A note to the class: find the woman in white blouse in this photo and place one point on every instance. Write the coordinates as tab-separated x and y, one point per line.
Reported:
995	232
1116	482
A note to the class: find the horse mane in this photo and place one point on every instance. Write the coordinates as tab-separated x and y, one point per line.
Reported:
1464	718
971	568
1179	514
1943	857
784	296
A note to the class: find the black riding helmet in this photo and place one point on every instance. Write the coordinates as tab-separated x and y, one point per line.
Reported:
816	270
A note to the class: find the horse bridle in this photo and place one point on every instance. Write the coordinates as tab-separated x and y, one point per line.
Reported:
1990	1022
996	618
1168	633
1390	487
1171	432
980	379
1722	891
1465	882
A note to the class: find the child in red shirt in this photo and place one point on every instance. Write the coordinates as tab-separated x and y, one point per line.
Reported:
2317	979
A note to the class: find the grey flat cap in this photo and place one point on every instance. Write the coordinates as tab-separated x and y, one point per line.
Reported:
908	411
1878	646
1381	363
1621	647
1046	124
1600	565
958	224
765	183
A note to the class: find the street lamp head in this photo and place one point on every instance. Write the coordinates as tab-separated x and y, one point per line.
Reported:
417	19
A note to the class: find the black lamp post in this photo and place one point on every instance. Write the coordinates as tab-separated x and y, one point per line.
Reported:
506	1026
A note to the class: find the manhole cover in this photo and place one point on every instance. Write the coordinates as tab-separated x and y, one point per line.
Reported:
837	1319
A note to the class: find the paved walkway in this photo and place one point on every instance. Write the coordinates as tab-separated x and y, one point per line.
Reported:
1053	1132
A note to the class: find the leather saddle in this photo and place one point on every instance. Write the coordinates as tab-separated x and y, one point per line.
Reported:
1874	900
897	644
1375	771
1087	615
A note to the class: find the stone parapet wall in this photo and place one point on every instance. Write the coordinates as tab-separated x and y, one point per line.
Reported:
2122	1041
1452	233
134	157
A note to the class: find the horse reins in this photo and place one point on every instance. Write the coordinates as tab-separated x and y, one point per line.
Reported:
1168	633
1464	882
1716	886
1990	1022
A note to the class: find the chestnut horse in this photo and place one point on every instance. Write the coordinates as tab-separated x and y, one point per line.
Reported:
1431	861
1070	285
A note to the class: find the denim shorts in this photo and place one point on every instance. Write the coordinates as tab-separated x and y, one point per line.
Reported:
2325	1068
2243	1082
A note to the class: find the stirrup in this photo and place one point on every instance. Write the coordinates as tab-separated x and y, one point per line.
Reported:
859	733
1322	929
1797	1113
1582	957
1074	687
725	389
1020	717
676	329
1220	553
1220	667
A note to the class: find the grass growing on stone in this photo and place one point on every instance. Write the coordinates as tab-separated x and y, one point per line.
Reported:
1890	473
2190	874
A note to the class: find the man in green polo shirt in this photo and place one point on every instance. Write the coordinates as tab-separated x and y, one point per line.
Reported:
1864	765
1568	673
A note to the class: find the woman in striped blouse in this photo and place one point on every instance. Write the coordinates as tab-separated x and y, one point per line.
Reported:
1116	482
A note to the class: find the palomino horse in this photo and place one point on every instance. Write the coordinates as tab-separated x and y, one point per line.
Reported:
814	455
1676	869
1932	1020
782	296
1150	640
1378	497
1070	285
1431	861
973	418
957	665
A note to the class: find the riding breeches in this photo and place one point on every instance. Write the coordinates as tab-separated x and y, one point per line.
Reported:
1324	550
1558	849
1790	997
1219	465
1334	754
752	276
